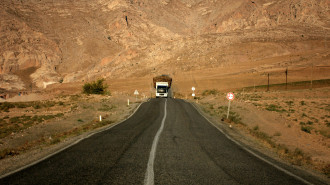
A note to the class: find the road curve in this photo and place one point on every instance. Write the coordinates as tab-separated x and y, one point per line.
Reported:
187	150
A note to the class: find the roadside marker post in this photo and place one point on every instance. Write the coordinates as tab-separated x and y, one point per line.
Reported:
228	108
230	97
136	92
127	101
100	118
193	94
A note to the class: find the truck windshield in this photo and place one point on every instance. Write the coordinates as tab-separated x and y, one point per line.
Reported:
161	89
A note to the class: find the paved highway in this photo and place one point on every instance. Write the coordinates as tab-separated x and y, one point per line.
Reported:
165	142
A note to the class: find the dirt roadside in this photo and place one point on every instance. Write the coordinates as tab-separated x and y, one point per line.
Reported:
33	130
291	126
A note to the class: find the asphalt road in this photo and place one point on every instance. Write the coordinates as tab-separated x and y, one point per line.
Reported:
165	142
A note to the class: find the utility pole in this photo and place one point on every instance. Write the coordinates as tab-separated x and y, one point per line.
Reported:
312	76
254	84
286	79
268	83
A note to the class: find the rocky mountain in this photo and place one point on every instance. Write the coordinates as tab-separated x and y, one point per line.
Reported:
46	41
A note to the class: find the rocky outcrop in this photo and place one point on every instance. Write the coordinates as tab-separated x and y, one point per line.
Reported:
69	41
266	14
23	48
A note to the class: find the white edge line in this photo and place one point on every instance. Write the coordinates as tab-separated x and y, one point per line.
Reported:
70	145
149	176
251	152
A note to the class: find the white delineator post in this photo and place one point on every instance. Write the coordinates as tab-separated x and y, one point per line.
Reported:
136	92
193	94
100	118
230	97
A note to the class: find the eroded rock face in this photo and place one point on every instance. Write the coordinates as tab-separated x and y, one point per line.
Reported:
23	48
267	14
68	41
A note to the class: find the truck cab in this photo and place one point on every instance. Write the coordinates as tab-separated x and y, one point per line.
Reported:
162	89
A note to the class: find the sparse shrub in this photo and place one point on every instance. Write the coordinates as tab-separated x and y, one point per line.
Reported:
234	117
7	152
299	157
49	104
283	149
302	103
292	110
275	108
210	92
325	133
306	129
327	108
25	118
59	115
106	107
96	87
21	105
74	107
309	123
326	170
5	106
303	115
223	108
290	103
80	120
36	106
315	119
54	141
14	120
256	128
75	97
2	121
263	136
277	134
256	104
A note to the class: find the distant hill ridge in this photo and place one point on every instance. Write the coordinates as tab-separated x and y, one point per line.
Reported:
45	42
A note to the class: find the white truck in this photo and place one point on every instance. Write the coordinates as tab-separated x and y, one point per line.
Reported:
162	84
162	89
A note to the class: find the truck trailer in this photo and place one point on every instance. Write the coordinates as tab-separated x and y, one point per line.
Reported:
162	84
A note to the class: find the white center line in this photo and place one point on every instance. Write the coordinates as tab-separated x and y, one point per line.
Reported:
149	177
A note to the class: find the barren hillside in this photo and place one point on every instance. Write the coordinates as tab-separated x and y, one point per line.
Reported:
197	42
